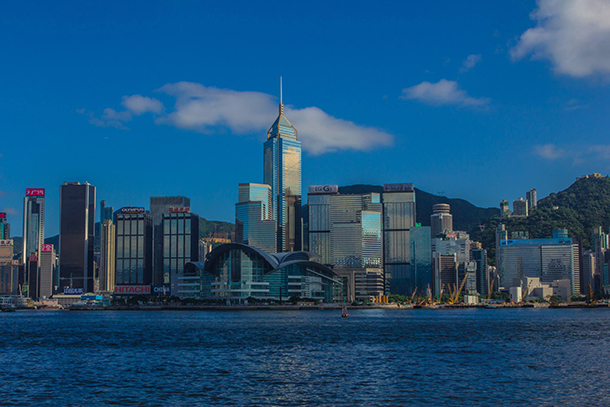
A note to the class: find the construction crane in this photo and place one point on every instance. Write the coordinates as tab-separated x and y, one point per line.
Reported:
491	289
413	295
526	290
456	292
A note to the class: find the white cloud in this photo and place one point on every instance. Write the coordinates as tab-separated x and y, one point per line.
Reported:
443	92
549	151
138	104
470	62
573	34
212	110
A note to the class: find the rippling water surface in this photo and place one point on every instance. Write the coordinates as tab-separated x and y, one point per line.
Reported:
288	358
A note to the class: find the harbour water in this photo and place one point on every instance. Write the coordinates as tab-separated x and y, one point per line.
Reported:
289	358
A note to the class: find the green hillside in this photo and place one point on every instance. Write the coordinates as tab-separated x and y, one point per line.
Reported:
579	208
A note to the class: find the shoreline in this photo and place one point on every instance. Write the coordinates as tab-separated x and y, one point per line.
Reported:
225	308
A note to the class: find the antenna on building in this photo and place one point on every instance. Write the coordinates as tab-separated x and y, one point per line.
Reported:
281	90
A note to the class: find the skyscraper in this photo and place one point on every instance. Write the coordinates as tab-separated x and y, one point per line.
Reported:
180	246
398	218
532	199
421	259
47	261
107	255
441	220
33	237
133	265
105	212
282	171
254	225
159	206
76	235
5	227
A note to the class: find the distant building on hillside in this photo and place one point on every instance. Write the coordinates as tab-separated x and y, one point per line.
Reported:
532	199
504	211
520	207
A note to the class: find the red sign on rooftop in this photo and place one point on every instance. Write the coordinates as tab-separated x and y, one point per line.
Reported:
179	209
34	192
46	248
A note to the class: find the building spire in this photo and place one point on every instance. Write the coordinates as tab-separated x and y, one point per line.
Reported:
281	98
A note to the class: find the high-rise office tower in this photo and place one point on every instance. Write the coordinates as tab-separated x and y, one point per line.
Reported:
479	256
159	206
48	263
398	218
345	230
105	212
282	171
107	255
134	243
5	227
76	236
532	199
8	271
33	237
180	246
441	220
254	225
520	207
421	259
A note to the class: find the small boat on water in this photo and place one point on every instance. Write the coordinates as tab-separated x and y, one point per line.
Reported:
8	308
344	313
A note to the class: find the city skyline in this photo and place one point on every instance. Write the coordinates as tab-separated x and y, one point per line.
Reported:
476	108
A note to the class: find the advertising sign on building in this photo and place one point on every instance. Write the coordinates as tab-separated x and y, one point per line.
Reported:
132	289
2	215
179	209
161	290
73	291
398	188
6	242
133	209
34	192
33	257
46	248
323	189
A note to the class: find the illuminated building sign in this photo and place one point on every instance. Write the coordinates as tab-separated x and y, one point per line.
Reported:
179	209
132	289
398	188
132	209
46	248
34	192
323	189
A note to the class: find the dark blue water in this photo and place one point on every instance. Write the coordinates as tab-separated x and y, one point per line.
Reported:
374	357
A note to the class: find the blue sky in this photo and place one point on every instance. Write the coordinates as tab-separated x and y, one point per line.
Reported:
479	100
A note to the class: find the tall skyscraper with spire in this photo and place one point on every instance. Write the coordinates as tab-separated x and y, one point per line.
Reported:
282	171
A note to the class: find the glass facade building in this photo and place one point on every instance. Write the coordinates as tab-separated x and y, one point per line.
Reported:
107	256
421	260
33	237
180	246
398	219
282	172
5	227
254	225
160	205
133	265
479	256
76	236
547	259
